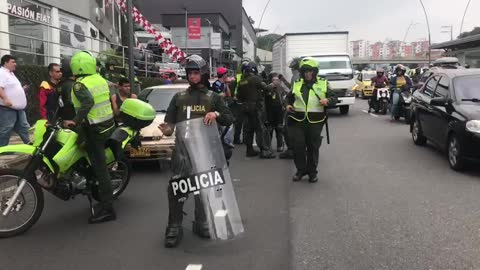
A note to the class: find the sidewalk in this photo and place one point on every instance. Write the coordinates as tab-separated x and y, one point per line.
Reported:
13	160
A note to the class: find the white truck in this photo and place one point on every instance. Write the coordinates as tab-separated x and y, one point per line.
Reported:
330	49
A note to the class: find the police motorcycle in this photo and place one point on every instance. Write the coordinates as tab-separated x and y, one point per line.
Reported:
203	171
381	101
401	107
61	166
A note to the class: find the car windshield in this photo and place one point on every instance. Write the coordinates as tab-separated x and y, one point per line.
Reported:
160	99
368	76
467	88
325	63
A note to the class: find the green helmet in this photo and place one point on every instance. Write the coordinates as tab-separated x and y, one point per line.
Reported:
83	63
309	63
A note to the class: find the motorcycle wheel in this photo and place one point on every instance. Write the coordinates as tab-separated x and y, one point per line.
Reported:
26	210
119	172
384	107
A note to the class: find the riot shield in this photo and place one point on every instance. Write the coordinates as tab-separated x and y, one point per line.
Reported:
201	169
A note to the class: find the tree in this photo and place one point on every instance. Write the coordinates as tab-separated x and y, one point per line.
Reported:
266	42
475	31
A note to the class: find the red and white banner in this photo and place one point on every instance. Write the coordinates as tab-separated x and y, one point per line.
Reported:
194	28
168	47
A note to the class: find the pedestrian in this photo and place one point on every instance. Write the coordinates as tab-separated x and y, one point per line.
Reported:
47	95
307	106
295	68
12	103
124	92
172	77
204	104
66	111
111	74
94	120
251	93
220	86
275	107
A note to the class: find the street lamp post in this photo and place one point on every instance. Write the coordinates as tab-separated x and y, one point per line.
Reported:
464	13
186	30
131	43
210	45
449	30
429	35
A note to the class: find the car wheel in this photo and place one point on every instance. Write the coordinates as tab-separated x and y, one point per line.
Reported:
417	134
344	109
455	156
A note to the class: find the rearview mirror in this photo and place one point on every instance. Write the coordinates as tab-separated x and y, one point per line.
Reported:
439	101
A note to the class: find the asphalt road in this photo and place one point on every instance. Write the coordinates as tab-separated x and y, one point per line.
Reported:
380	203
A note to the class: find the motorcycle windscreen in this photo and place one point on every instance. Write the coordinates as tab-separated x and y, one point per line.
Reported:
200	168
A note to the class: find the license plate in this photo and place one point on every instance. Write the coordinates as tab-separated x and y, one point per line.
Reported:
141	152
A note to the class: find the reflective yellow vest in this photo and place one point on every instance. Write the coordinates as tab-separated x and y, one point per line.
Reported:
102	108
238	77
317	92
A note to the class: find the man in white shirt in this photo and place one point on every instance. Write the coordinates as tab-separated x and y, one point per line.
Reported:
12	103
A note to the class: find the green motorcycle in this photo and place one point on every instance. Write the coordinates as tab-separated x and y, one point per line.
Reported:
61	166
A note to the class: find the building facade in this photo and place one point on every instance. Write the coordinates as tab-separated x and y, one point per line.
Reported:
43	32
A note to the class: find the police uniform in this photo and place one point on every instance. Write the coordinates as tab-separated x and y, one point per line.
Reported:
306	122
94	116
251	93
201	102
237	110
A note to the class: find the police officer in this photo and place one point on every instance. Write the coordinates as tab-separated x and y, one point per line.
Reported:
295	68
251	93
236	106
64	90
306	104
94	120
209	106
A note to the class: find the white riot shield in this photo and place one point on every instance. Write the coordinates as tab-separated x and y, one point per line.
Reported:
202	170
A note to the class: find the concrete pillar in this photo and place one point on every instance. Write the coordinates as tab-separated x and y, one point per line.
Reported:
54	36
4	38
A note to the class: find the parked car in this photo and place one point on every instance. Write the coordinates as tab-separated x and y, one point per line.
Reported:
154	145
446	112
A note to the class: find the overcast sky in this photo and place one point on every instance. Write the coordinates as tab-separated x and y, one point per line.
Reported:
374	20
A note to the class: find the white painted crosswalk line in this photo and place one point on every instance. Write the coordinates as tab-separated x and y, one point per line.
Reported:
194	267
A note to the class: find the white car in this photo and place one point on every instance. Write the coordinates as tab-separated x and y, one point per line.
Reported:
154	145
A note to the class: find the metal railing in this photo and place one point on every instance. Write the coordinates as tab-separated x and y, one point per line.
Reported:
146	66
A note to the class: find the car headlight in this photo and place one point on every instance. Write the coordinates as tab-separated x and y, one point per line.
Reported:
473	126
349	93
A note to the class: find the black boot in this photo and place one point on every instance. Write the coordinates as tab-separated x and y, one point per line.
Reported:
103	214
313	178
201	229
173	236
251	152
267	154
298	176
287	154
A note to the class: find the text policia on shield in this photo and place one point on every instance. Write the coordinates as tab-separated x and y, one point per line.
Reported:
197	182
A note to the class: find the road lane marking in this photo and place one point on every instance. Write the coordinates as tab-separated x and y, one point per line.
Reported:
371	114
194	267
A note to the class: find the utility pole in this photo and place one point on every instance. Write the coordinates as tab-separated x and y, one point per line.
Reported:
210	45
429	35
449	29
131	43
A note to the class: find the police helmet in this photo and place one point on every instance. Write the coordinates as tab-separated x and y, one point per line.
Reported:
83	63
196	62
250	68
309	64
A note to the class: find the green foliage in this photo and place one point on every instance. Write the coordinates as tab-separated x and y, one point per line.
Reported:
475	31
266	42
110	56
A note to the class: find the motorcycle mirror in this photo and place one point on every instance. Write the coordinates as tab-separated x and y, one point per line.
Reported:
439	101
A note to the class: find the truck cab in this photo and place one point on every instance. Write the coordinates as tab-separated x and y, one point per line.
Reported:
338	70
